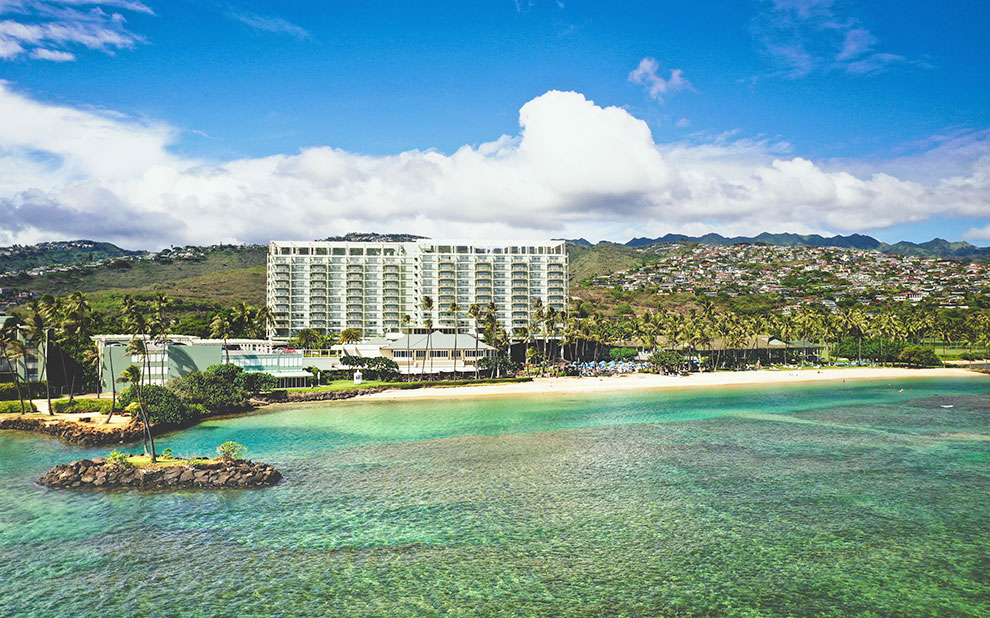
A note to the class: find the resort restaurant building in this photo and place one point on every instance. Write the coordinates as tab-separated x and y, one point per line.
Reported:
437	353
379	287
179	355
415	354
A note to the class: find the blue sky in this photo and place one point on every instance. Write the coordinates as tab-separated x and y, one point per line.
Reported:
785	115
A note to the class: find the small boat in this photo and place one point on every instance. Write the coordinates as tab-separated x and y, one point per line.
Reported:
948	405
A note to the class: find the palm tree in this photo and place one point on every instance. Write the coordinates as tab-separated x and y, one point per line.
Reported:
113	384
264	317
308	338
137	326
12	349
36	326
597	333
454	309
240	319
427	306
406	319
221	328
474	312
349	335
55	312
75	325
160	306
132	376
549	331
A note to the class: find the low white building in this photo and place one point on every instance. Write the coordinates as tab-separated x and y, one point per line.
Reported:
437	353
415	354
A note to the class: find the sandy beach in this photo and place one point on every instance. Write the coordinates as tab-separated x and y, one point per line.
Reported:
570	385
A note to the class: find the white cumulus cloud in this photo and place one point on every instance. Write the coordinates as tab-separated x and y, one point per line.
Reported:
647	74
573	169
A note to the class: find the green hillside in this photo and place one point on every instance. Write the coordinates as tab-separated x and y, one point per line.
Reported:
220	274
61	253
602	259
194	294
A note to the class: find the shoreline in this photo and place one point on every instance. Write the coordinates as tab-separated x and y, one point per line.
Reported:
644	381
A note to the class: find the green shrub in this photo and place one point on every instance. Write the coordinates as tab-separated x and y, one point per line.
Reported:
82	406
919	356
30	390
231	450
116	459
622	354
218	389
373	368
664	359
162	405
255	383
12	407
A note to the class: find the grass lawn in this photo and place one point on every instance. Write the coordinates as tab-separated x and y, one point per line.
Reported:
144	461
341	385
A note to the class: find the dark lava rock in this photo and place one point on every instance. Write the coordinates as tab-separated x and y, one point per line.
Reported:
76	433
96	474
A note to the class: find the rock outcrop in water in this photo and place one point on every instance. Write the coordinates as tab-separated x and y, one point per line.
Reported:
76	433
96	474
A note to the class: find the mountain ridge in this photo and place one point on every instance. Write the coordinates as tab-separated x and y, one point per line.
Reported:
937	247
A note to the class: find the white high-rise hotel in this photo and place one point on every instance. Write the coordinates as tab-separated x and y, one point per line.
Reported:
372	286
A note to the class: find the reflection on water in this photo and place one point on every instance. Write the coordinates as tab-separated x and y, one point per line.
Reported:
815	500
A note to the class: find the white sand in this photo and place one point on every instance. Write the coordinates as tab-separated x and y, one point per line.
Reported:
542	386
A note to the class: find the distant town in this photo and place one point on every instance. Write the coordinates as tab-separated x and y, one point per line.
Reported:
801	275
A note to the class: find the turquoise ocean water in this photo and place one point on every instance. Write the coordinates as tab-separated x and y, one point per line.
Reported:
840	499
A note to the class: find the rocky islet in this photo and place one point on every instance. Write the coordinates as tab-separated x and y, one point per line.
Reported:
97	474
